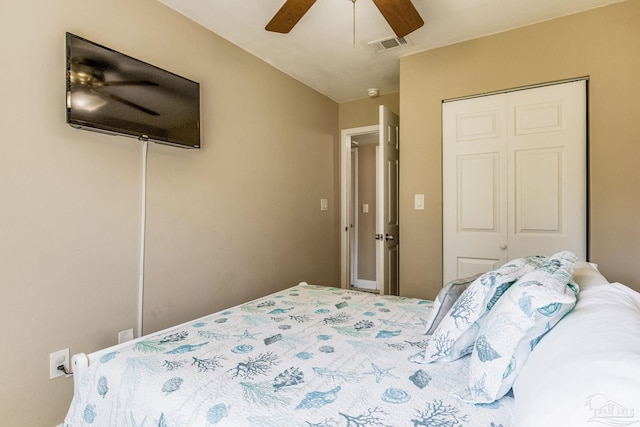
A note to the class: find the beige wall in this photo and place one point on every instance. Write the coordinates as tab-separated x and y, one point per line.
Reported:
364	112
601	44
235	220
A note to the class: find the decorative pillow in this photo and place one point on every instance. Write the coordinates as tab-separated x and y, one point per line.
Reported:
455	335
586	367
586	275
445	300
508	334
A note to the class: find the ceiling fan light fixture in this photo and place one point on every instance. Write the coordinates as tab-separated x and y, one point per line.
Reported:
85	100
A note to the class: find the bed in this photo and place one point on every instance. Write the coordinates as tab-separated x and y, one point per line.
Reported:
306	356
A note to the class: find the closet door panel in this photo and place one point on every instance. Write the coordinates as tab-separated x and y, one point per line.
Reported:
538	183
547	170
477	193
468	267
474	187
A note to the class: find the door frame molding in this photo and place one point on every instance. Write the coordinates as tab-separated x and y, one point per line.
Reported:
346	136
353	216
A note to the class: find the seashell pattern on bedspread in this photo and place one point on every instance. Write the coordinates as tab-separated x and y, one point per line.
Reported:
306	356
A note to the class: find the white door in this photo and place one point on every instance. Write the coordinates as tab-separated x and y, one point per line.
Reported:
388	227
514	177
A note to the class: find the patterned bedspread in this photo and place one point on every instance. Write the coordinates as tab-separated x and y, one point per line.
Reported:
307	356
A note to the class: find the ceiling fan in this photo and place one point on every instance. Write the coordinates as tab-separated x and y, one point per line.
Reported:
402	16
88	75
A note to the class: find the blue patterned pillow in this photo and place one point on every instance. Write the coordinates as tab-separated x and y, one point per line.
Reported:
457	332
508	334
447	296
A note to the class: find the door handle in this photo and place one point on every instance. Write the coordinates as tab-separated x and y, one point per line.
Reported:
389	237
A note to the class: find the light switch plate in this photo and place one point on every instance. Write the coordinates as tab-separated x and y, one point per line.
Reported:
418	203
324	204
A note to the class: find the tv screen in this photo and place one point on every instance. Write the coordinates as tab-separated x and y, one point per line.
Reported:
108	91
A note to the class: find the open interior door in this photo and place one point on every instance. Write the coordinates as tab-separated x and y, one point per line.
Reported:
387	222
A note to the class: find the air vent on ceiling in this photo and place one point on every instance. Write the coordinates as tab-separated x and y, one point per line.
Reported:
387	44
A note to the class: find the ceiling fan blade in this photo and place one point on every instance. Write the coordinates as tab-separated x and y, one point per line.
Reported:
129	103
402	16
130	83
289	15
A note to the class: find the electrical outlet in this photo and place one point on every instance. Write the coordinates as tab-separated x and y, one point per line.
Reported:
124	336
60	357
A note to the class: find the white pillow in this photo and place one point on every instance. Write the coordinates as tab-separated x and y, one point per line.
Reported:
455	335
586	366
447	296
509	332
586	275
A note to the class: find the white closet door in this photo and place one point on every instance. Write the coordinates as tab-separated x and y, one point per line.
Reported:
474	186
548	170
514	177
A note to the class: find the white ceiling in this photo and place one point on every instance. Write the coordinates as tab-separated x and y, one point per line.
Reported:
320	50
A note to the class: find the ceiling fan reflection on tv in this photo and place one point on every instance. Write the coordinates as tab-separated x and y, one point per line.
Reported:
88	74
402	16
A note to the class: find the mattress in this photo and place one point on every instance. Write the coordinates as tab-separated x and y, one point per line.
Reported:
306	356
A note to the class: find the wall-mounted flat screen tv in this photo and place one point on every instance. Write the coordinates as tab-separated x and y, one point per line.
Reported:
108	91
